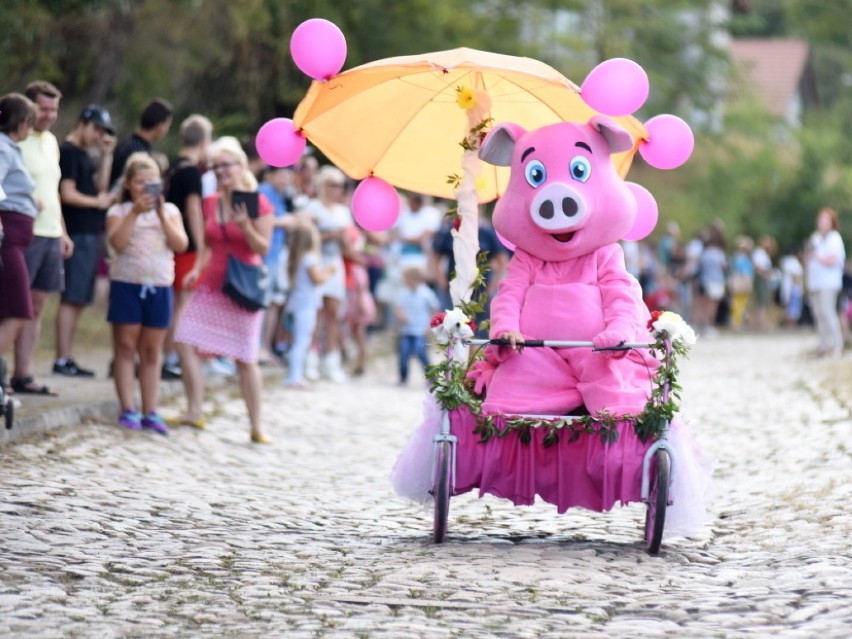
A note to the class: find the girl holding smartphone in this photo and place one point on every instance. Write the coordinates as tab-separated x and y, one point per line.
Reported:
144	232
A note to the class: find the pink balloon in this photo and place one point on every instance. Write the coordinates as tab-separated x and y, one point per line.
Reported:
318	48
278	143
505	242
375	204
647	213
670	142
616	87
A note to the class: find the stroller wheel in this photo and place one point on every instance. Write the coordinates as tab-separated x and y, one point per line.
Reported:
441	490
655	517
9	412
7	408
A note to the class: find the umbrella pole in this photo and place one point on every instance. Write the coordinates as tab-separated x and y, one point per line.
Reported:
466	238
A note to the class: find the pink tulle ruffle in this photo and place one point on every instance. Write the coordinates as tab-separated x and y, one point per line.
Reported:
584	472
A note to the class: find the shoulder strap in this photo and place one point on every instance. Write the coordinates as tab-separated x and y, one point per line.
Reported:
220	217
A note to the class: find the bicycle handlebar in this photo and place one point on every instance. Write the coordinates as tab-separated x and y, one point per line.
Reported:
538	343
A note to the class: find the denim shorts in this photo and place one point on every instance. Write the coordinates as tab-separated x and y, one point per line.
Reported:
150	306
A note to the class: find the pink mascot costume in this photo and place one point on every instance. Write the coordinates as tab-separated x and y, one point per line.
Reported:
565	209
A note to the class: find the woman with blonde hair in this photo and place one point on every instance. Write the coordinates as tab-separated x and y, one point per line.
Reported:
212	322
144	232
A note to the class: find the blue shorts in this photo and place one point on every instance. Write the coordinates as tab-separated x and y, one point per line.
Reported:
149	306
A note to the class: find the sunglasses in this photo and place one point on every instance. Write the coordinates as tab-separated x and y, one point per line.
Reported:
223	165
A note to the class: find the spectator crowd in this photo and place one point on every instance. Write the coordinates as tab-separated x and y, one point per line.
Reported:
747	284
162	233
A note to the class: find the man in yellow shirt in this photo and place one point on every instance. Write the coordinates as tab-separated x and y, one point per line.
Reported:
51	244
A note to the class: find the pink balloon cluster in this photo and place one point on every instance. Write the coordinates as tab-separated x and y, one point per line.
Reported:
318	48
619	87
375	204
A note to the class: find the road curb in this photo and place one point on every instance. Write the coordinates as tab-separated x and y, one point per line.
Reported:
98	403
29	424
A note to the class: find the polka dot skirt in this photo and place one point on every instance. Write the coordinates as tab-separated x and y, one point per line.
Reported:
217	326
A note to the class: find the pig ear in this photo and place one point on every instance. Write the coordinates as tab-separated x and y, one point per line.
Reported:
617	138
498	145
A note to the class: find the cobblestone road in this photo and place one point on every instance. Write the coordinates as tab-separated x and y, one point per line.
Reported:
107	533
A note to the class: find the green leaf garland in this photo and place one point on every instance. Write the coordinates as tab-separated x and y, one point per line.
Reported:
451	389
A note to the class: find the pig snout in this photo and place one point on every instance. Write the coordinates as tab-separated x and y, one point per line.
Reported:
557	207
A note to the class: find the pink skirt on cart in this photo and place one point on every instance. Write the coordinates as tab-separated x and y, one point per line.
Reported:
584	473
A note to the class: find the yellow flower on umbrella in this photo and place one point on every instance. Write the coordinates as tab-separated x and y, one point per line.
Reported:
481	184
466	98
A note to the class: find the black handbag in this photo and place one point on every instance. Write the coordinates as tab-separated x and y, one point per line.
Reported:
246	284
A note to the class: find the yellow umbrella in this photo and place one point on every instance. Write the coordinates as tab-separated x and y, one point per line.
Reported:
399	119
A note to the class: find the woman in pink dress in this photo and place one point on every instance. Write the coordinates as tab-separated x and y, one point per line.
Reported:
212	323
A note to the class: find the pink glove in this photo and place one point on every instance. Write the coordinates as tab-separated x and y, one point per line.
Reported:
606	339
482	371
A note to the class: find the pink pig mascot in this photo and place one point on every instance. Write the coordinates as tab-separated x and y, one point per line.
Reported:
565	209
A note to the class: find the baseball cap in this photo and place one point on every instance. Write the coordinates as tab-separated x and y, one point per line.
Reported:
99	116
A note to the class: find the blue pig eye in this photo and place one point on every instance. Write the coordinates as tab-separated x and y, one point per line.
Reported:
580	168
535	173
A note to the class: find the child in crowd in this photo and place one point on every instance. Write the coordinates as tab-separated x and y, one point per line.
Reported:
413	310
741	280
795	300
306	274
360	304
143	232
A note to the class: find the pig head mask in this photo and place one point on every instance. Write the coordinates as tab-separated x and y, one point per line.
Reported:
564	198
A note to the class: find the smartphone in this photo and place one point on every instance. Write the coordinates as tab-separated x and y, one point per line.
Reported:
249	198
154	188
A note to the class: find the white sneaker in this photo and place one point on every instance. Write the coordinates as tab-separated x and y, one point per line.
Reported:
337	375
220	367
332	369
312	366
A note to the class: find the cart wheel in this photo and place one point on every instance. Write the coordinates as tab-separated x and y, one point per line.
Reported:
10	413
655	517
441	491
